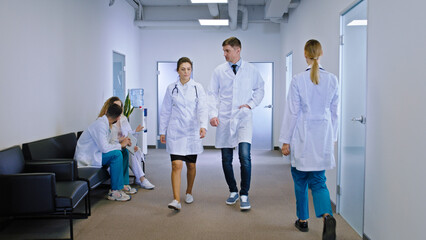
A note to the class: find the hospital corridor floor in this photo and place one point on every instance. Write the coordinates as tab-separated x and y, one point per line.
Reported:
147	216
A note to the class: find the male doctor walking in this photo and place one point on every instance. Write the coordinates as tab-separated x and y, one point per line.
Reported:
235	89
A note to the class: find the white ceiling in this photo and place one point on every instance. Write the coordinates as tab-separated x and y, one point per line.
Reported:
188	2
163	13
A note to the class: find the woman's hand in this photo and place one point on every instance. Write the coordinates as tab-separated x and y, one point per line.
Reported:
285	149
139	128
136	148
202	132
163	139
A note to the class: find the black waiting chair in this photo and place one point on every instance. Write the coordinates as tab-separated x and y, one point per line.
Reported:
60	148
39	189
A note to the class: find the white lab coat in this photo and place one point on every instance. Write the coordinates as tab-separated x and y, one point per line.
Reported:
311	120
227	92
93	142
123	129
181	117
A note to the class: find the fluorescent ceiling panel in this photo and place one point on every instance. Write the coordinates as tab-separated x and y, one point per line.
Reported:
358	23
214	22
209	1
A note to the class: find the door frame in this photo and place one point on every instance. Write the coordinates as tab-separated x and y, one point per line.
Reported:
124	73
339	153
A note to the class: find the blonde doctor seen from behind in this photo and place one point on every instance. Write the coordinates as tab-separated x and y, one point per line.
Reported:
183	124
308	133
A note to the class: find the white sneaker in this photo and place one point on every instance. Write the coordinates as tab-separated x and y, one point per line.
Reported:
145	184
129	190
118	195
175	205
189	198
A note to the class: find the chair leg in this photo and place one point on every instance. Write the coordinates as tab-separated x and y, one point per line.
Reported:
88	206
143	165
71	226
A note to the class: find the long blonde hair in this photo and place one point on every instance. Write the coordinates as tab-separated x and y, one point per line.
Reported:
313	51
108	103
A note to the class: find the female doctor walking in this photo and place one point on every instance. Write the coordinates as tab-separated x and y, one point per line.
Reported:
308	133
183	123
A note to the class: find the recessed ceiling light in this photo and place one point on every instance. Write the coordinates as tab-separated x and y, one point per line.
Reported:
209	1
358	23
214	22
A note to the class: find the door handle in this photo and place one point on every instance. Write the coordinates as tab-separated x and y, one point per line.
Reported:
361	119
268	106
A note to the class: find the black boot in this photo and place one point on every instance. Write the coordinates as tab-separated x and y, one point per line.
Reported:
329	230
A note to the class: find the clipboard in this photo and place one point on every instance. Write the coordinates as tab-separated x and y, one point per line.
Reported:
134	141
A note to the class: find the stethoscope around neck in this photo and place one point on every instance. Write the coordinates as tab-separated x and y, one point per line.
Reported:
177	91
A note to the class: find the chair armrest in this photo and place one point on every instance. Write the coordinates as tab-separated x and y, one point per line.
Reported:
59	159
63	169
27	193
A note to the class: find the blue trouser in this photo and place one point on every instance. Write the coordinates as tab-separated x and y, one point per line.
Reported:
118	161
245	162
316	182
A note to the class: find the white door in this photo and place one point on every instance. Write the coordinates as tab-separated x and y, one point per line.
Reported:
353	119
166	74
262	114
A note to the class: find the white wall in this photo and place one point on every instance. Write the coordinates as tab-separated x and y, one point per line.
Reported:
395	193
313	20
56	64
204	47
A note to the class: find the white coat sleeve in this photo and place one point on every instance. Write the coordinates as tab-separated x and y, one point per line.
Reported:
166	111
126	129
335	111
291	113
202	109
100	136
258	91
213	96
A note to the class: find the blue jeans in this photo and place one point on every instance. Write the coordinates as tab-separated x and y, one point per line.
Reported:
245	162
118	161
316	182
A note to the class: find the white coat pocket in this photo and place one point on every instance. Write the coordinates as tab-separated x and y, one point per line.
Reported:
317	133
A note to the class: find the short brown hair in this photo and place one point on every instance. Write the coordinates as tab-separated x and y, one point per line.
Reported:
232	41
107	104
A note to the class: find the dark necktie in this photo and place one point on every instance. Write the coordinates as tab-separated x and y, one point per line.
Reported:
234	68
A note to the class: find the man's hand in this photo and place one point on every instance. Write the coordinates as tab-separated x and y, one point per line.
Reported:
285	149
202	132
126	142
120	139
214	122
163	139
245	105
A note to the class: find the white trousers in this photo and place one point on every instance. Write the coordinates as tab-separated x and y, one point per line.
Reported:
135	163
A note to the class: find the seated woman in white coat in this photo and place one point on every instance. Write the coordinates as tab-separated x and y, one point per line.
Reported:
94	150
120	131
183	124
308	133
